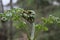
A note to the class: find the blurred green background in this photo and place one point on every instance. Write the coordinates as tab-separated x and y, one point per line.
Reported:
43	8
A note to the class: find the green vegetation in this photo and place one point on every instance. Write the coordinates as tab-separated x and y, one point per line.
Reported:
17	14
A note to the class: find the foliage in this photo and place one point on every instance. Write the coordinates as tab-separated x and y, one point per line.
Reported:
51	19
47	24
17	14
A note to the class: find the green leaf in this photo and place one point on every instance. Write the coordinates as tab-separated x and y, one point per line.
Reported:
45	29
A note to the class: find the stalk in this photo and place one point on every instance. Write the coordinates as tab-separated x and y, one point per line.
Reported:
33	31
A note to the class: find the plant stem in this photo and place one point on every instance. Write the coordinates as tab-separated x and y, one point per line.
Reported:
33	31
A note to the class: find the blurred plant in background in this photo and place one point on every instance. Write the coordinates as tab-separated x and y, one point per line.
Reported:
46	25
16	15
